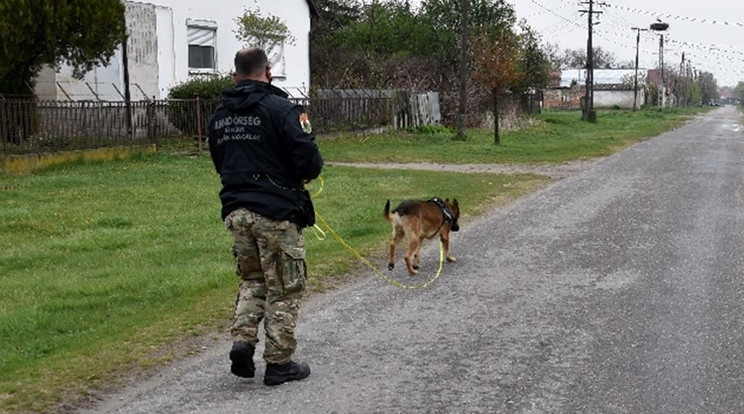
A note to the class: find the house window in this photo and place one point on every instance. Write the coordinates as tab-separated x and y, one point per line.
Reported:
201	57
201	35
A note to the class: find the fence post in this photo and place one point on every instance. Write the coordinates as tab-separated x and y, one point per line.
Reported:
151	127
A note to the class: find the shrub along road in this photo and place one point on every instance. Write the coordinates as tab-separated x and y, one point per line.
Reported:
618	289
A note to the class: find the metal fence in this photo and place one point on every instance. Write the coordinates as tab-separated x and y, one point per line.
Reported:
28	126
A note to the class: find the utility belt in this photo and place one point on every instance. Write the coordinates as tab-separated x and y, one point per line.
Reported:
300	197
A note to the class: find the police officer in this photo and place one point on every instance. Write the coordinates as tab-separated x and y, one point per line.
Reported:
264	151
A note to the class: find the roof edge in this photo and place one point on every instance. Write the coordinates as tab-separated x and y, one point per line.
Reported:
313	8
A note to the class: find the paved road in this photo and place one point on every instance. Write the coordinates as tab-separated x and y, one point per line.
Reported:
619	289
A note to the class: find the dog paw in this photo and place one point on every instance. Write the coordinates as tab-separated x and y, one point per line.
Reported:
413	273
451	259
391	266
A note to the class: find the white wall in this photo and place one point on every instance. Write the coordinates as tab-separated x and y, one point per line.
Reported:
158	49
621	99
173	48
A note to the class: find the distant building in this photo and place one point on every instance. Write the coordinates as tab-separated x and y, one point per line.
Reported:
613	88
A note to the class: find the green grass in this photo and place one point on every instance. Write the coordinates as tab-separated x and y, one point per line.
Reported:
105	262
558	137
107	267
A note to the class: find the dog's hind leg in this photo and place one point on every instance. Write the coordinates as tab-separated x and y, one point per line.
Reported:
397	237
417	257
411	256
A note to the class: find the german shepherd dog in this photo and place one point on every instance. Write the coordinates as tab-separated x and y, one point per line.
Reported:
419	220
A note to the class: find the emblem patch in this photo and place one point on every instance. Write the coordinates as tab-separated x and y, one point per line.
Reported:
305	123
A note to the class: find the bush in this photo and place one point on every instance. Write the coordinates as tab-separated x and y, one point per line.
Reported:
181	108
206	87
431	129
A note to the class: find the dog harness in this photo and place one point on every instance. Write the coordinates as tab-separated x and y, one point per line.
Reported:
446	212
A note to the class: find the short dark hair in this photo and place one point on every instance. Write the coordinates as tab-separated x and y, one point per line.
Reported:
250	62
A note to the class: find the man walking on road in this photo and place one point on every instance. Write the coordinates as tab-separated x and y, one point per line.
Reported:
264	151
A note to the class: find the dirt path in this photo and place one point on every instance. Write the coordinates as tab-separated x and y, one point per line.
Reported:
556	171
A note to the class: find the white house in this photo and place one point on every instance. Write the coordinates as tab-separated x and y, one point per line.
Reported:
171	41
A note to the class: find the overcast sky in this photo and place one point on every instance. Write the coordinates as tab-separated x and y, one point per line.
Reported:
710	33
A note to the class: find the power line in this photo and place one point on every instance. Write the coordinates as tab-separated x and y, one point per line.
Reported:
716	57
676	17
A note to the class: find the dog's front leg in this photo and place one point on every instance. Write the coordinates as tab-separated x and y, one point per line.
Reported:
445	242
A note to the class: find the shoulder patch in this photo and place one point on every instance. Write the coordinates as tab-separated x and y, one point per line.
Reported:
305	123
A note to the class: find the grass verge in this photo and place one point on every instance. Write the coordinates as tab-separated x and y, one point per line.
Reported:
106	262
559	136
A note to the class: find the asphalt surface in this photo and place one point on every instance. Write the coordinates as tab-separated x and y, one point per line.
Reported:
618	289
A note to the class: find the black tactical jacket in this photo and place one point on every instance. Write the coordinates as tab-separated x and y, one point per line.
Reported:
262	153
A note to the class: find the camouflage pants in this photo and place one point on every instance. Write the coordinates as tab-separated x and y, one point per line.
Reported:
270	259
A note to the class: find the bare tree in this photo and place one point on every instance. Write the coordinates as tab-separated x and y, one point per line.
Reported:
576	58
496	58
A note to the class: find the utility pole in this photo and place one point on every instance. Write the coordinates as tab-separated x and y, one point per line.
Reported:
682	100
635	83
662	93
661	27
589	114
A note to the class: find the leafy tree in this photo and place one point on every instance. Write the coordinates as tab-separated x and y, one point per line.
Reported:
709	91
686	90
739	92
497	59
384	28
442	18
262	32
326	54
80	33
694	96
534	62
439	41
390	44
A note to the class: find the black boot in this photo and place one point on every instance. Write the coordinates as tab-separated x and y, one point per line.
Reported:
241	356
291	371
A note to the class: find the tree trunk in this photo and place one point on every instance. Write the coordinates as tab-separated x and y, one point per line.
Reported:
462	119
496	138
19	117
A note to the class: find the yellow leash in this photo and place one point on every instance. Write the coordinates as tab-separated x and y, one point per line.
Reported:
356	254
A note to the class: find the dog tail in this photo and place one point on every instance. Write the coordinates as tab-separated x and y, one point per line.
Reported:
387	211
